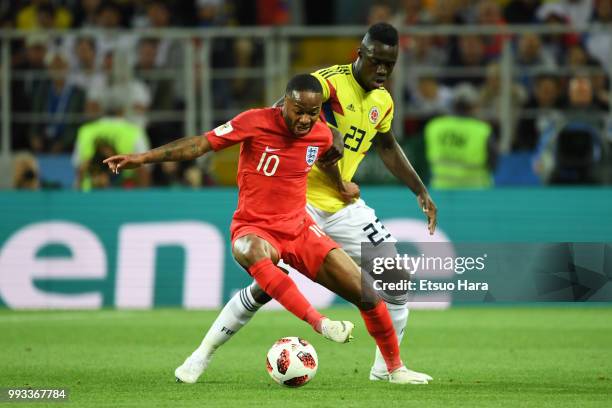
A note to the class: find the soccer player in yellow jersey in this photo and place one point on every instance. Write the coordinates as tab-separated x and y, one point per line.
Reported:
358	107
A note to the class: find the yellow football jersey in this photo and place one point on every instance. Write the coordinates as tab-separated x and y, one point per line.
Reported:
359	116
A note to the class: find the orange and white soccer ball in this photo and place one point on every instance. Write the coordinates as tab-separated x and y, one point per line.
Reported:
292	361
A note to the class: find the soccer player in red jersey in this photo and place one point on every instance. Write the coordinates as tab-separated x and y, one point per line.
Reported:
279	148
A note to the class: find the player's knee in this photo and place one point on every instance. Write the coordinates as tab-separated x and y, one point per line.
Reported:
368	298
249	253
367	304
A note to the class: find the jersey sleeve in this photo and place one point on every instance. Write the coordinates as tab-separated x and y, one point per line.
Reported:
230	133
385	124
324	84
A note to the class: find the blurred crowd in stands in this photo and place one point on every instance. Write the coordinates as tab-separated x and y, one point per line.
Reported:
65	85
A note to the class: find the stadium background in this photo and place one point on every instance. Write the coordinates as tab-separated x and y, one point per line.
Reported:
178	68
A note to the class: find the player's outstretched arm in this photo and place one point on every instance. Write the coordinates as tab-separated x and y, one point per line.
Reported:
398	164
187	148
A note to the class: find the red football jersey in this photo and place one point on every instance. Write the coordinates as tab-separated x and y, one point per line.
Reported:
272	168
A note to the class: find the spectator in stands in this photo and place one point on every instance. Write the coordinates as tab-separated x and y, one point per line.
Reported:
245	54
491	97
460	148
85	70
29	17
61	103
45	17
379	11
430	98
541	114
411	12
582	104
532	58
242	53
193	177
117	84
161	88
489	13
211	13
521	11
25	172
110	17
168	50
447	12
110	134
422	57
599	44
28	76
469	55
576	57
579	60
574	154
274	12
557	44
36	48
578	12
85	15
146	65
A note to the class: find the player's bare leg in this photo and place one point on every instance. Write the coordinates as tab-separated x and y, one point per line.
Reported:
340	274
259	257
249	252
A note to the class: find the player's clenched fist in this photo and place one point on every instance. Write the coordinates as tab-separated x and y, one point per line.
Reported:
350	192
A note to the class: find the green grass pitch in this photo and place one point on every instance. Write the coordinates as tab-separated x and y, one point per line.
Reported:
479	356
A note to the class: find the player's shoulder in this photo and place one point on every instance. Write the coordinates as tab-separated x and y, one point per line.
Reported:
321	131
335	72
256	118
381	96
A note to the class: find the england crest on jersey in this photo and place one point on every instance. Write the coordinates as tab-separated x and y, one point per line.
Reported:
311	154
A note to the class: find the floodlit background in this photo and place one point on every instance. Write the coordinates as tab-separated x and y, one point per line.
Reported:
537	71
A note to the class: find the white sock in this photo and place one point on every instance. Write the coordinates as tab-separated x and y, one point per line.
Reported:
234	315
399	316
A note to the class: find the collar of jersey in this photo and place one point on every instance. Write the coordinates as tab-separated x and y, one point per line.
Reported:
355	82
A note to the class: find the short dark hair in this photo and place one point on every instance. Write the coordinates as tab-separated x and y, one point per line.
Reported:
303	82
384	33
46	8
87	39
108	5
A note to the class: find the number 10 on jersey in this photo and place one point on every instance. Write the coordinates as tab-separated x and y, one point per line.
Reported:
268	164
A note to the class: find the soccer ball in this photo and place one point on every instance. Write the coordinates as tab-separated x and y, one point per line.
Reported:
292	361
